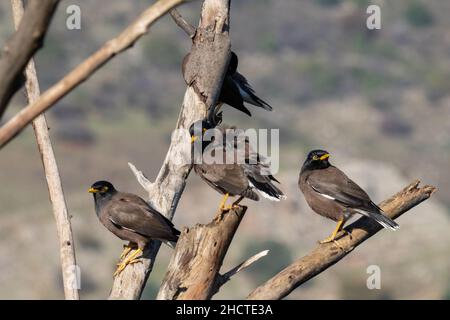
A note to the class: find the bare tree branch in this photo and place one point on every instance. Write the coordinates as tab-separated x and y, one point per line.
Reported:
182	23
84	70
211	51
22	46
326	255
193	272
64	229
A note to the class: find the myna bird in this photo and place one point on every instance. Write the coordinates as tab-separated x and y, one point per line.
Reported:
130	218
330	193
235	88
245	179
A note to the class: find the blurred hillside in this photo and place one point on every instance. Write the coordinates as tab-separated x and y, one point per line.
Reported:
379	101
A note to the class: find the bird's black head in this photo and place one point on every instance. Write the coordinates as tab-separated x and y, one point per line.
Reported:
198	128
316	159
102	189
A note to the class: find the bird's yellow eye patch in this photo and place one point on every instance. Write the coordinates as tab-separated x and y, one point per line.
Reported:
104	189
315	157
193	138
325	156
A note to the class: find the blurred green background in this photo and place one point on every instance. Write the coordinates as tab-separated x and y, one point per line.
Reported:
377	100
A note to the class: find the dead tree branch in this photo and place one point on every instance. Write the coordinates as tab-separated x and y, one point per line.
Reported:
22	46
326	255
64	229
193	272
84	70
182	23
211	51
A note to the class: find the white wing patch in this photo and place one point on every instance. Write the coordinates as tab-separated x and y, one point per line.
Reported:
322	194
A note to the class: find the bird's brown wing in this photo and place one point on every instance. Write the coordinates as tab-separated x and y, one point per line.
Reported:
131	212
332	183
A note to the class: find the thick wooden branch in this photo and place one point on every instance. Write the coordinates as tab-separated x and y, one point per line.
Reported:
326	255
84	70
62	218
22	46
193	271
212	44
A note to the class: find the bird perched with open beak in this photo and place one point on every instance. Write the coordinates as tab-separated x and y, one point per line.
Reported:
330	193
235	88
129	217
248	178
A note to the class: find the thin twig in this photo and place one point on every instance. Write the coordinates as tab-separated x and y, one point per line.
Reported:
326	255
84	70
66	246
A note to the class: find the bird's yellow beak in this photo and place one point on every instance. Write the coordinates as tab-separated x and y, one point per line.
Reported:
193	138
92	190
325	156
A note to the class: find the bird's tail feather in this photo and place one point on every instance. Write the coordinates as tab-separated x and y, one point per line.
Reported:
383	220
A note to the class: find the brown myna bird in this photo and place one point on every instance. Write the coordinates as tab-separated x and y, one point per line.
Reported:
130	218
246	179
235	88
330	193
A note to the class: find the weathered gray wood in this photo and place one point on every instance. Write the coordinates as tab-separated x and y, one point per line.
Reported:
211	45
326	255
60	212
22	46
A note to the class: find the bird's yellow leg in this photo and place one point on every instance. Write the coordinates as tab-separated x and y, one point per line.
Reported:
223	202
338	228
128	260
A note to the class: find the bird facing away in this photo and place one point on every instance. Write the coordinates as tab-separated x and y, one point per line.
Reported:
330	193
130	218
246	180
235	88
